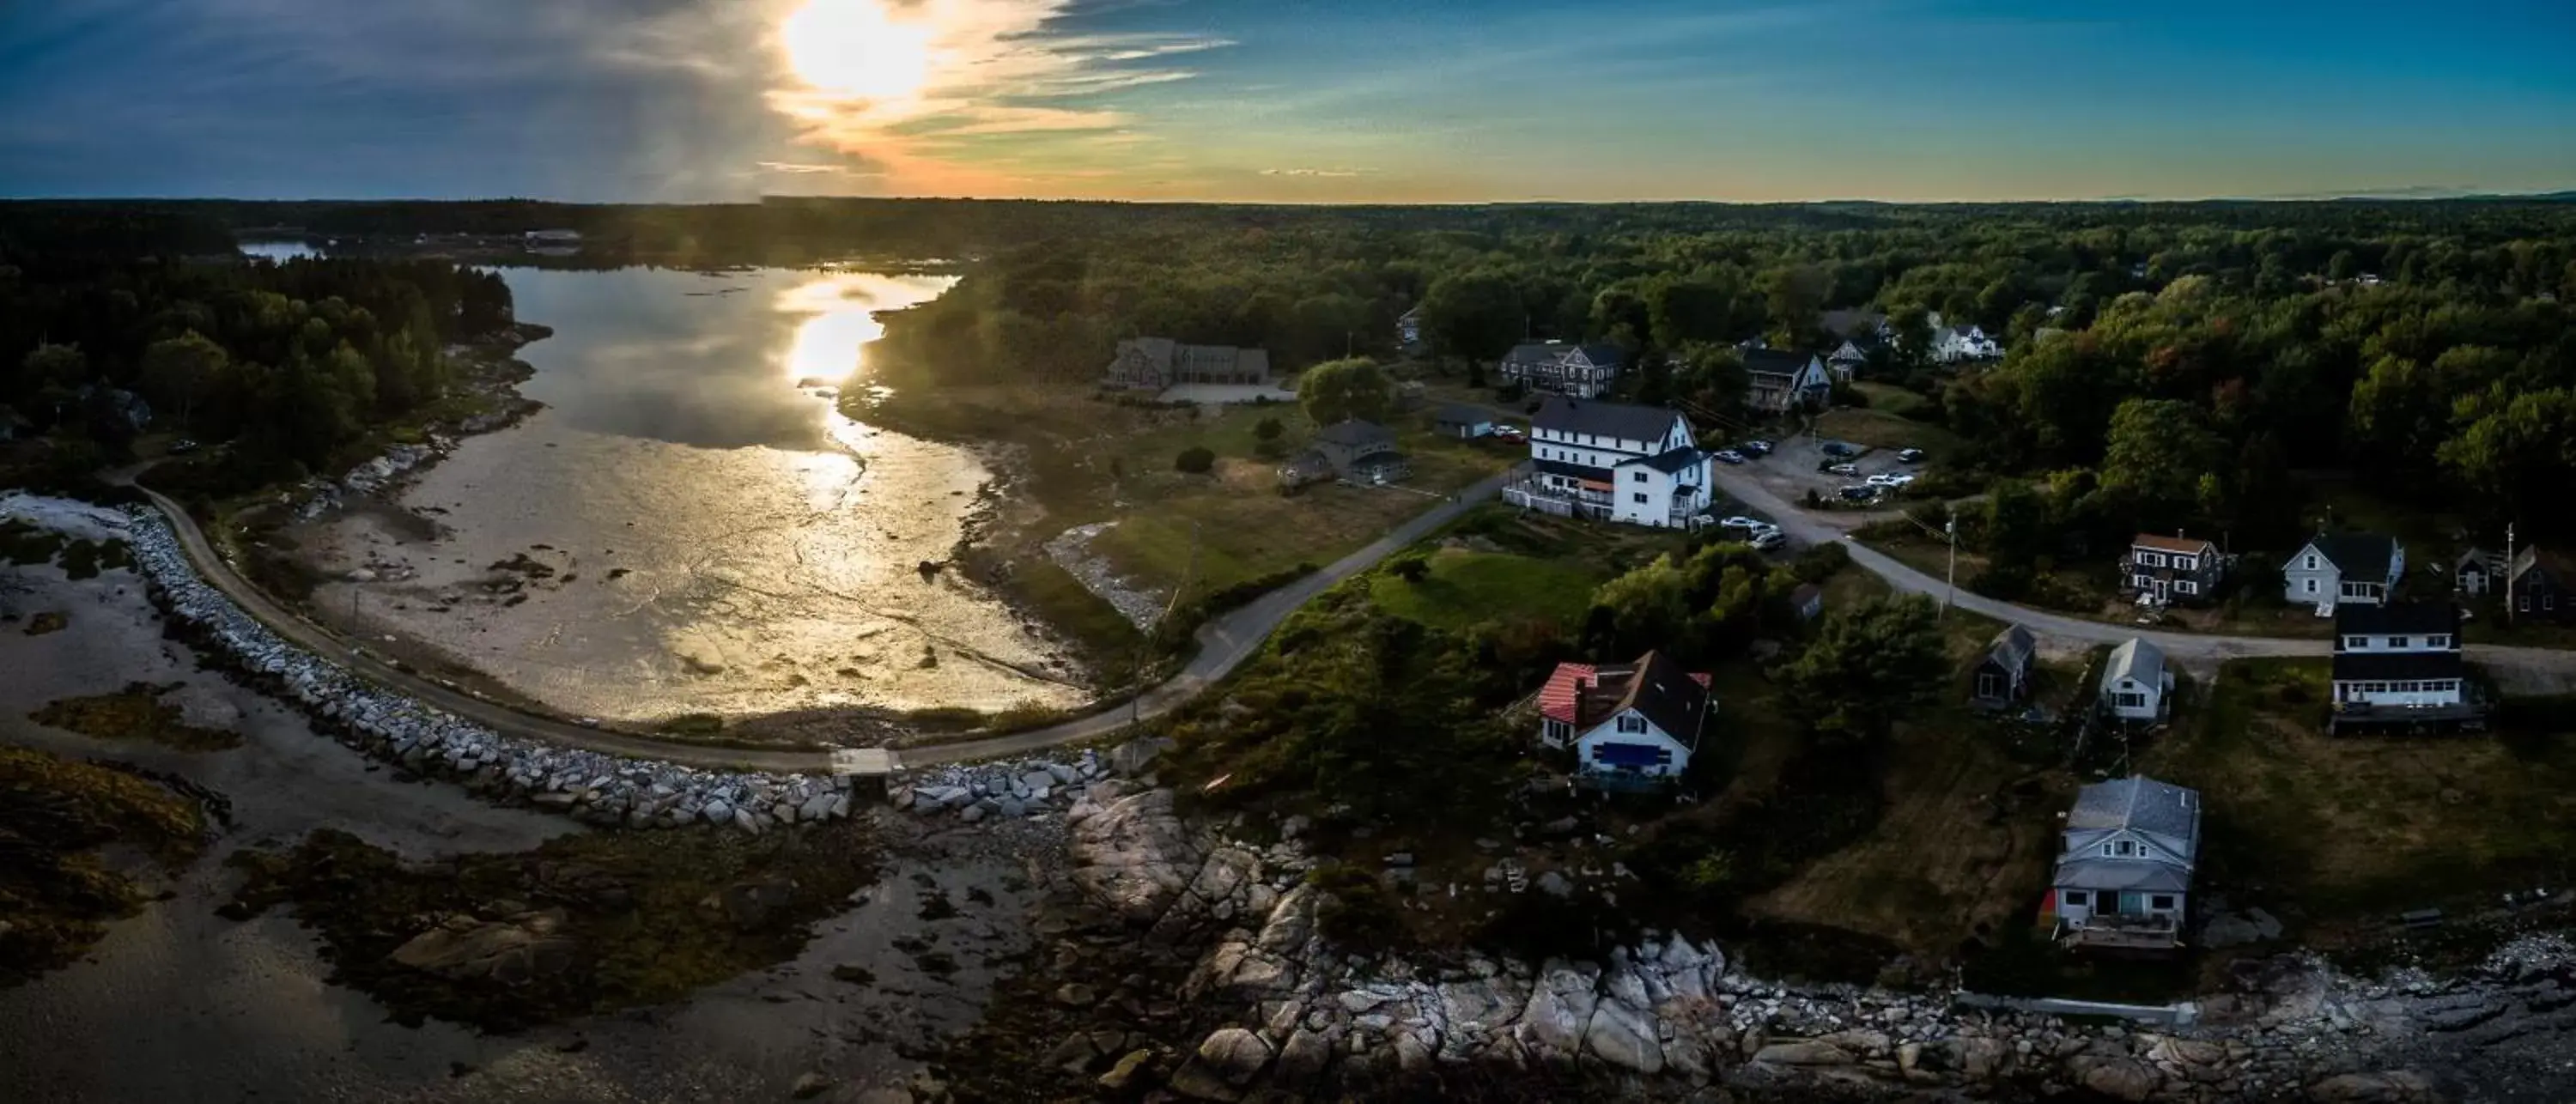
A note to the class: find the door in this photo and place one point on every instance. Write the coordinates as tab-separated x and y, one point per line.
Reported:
2160	586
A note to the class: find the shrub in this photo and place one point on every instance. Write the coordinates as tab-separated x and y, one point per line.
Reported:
1269	429
1814	500
1820	562
1411	569
1196	460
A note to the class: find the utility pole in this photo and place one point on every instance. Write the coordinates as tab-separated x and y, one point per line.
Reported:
1136	698
1950	529
2511	558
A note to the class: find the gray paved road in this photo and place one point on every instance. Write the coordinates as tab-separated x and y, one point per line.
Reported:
2201	649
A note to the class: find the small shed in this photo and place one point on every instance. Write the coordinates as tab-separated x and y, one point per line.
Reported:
2476	571
2002	678
2136	685
1463	422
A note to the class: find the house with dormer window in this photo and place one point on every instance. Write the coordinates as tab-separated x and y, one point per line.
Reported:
1628	724
2337	569
2124	871
1619	461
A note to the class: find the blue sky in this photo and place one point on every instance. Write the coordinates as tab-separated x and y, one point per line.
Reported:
1301	100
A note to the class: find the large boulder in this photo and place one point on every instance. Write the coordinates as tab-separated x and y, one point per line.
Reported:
1624	1037
2118	1078
1130	852
1228	1059
1559	1011
2394	1087
1802	1052
513	951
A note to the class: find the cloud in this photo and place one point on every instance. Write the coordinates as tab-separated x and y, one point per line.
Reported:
950	95
1335	173
792	168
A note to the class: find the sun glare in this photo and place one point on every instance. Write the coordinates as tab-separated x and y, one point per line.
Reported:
856	49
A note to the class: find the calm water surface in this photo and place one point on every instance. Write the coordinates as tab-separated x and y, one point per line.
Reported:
719	538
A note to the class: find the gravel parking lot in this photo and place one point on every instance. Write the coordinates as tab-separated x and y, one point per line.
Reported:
1790	470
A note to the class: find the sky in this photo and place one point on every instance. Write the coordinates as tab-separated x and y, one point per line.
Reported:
1402	101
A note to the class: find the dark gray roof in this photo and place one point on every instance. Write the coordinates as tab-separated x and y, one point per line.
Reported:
1783	362
1666	694
1605	419
1572	471
1604	353
1671	460
2364	556
2139	804
2136	659
2012	648
1535	352
1354	432
2388	666
2410	618
1462	414
2099	873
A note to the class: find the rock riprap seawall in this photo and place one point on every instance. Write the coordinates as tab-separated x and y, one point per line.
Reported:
1671	1013
591	787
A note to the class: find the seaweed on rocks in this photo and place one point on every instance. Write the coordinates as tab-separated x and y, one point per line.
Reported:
56	892
134	713
584	924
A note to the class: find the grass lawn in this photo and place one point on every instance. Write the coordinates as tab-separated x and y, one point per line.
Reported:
1891	399
1885	430
1466	586
2337	835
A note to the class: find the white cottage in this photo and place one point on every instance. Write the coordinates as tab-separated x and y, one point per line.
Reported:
2400	665
2335	569
1627	723
2135	683
2124	874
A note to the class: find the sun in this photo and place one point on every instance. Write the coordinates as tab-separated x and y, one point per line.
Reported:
856	49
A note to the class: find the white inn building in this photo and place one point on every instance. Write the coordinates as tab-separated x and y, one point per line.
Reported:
1634	464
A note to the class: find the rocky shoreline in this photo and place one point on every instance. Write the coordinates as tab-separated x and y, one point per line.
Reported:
1672	1017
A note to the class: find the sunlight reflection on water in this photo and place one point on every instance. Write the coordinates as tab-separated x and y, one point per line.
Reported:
764	547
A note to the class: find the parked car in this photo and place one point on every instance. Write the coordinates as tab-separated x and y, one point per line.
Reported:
1740	521
1729	456
1837	448
1858	493
1510	433
1844	469
1910	456
182	446
1758	447
1769	539
1898	479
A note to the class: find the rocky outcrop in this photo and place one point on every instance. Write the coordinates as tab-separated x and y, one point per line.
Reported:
1669	1013
511	951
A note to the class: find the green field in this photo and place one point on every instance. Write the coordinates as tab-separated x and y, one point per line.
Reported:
1465	587
1882	429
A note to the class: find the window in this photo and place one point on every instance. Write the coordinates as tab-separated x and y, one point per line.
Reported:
2162	901
2312	561
1639	496
2356	643
1632	723
2397	642
1636	477
2437	640
2106	849
2150	559
2186	586
2523	602
2184	562
2312	584
2128	848
2131	700
2144	582
2073	898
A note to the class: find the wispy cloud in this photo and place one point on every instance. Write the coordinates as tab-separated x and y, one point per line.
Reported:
925	87
1333	173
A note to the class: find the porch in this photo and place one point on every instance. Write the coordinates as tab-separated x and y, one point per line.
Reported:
2114	932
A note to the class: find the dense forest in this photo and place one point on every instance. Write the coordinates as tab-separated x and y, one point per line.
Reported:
2167	364
108	330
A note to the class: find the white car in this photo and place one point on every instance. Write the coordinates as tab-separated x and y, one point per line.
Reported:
1883	481
1740	521
1768	539
1730	456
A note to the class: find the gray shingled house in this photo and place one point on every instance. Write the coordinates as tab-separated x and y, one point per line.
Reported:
2124	875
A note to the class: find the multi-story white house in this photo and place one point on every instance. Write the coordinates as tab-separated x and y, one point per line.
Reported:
1579	371
2124	875
1627	463
2135	683
1961	344
2399	665
2338	569
1634	722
